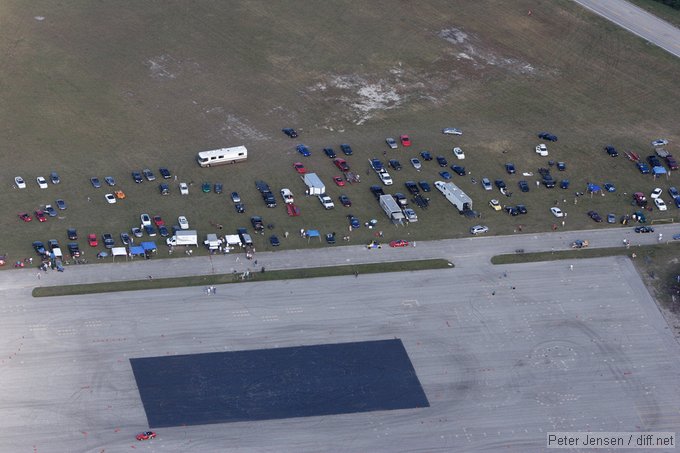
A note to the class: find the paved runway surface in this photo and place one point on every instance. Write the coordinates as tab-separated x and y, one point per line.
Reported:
637	21
503	353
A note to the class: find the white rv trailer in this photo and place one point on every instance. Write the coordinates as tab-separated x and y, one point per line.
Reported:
222	156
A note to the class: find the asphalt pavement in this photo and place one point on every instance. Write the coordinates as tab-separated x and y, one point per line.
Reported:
637	21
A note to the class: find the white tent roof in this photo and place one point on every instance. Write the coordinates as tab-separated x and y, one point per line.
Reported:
119	251
232	239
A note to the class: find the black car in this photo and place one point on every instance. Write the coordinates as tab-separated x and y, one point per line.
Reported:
107	238
163	231
653	161
257	223
611	151
595	216
73	249
377	191
510	168
61	204
442	161
329	152
424	186
165	173
547	136
561	166
457	169
164	189
345	201
548	182
289	131
148	174
53	244
240	208
218	187
148	229
394	163
523	186
426	155
137	177
421	201
401	199
644	229
330	238
513	211
269	199
72	234
412	187
274	240
39	248
500	184
95	182
521	208
346	149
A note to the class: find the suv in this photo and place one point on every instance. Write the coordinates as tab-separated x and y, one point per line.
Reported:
326	201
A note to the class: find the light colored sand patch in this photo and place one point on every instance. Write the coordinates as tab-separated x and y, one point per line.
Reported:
158	67
233	126
470	47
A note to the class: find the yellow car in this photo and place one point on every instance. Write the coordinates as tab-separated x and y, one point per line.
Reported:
119	194
495	205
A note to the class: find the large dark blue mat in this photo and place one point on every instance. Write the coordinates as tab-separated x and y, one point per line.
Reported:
277	383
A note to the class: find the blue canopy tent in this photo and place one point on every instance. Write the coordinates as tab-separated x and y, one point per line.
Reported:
658	171
594	188
149	246
136	250
313	234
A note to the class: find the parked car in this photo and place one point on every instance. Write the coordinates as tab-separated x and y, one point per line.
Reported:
326	201
653	161
399	243
183	188
158	220
110	180
424	186
595	216
673	192
671	162
110	198
394	163
136	232
392	143
148	174
426	156
218	187
164	189
61	204
108	241
442	161
302	149
523	186
479	229
445	175
561	166
54	177
329	152
137	177
460	171
25	216
510	168
183	222
643	167
42	182
547	136
522	209
564	184
656	193
274	240
659	142
644	229
660	204
338	181
495	205
145	219
342	165
609	187
452	131
290	132
125	238
346	149
235	197
640	199
500	184
165	173
345	201
20	183
557	212
458	152
416	163
405	140
95	182
611	218
72	234
146	435
486	184
542	150
513	211
353	221
611	151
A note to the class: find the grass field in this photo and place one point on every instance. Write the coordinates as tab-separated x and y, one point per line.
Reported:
104	88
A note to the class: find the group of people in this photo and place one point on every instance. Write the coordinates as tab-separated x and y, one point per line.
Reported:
211	290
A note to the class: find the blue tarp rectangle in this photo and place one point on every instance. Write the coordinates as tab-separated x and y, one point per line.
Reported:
149	246
313	233
659	170
137	250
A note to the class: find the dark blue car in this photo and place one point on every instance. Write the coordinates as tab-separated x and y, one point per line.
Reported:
302	149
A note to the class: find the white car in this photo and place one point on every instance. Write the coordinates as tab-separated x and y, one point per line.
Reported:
19	181
478	229
183	222
542	150
183	188
659	142
486	183
660	204
146	220
557	212
458	153
326	201
42	182
495	204
452	131
287	196
110	198
656	193
416	163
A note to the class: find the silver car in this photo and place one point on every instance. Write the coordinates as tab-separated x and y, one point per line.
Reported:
486	183
392	143
452	131
479	229
416	163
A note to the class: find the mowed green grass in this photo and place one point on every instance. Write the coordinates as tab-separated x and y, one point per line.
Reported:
104	88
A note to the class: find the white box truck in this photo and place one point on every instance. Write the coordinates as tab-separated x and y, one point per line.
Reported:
391	208
314	184
455	195
183	237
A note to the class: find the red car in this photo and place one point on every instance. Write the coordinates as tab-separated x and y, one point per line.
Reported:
299	168
41	216
25	217
92	240
146	435
341	164
339	181
399	243
405	140
292	209
158	220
